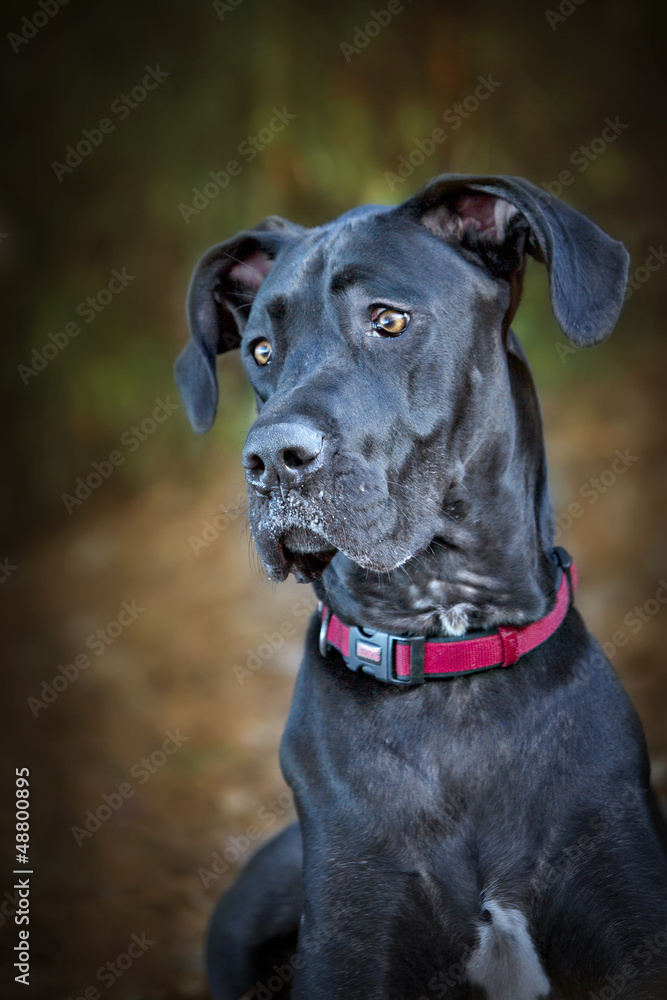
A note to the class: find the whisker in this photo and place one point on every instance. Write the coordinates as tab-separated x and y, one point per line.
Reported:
244	263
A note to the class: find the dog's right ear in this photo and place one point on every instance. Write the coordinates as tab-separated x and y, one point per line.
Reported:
500	219
221	293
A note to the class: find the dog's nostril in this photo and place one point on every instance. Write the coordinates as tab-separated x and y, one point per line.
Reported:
292	459
281	454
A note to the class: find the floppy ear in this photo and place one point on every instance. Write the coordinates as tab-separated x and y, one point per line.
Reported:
503	218
221	293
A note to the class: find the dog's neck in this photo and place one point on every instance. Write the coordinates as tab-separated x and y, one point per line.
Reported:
493	566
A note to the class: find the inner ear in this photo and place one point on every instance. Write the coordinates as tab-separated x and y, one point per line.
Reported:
483	215
239	283
492	230
248	274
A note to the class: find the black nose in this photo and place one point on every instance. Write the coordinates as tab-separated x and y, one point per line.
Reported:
284	454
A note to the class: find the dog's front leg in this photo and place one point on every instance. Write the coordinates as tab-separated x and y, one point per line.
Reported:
342	950
373	930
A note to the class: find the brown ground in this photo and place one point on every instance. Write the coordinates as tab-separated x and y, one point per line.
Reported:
173	670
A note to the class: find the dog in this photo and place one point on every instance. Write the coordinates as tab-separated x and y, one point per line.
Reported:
471	781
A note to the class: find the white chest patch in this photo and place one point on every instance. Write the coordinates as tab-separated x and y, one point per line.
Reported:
505	962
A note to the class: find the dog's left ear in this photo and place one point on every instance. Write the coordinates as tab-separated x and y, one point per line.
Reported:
222	290
502	218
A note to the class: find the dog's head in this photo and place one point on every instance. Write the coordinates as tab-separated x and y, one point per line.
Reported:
377	347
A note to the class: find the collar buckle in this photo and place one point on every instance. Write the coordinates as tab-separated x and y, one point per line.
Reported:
373	653
323	641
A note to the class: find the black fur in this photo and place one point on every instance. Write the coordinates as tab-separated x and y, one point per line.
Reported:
426	510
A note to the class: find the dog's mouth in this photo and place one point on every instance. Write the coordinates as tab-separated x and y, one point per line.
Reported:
305	554
294	534
291	536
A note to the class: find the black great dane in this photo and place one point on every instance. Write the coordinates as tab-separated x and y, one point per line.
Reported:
471	780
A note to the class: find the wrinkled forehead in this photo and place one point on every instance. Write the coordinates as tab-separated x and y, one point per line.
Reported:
381	252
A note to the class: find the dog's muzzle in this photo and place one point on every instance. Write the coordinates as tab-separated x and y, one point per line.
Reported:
281	460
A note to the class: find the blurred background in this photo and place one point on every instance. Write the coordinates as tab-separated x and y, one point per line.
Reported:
141	689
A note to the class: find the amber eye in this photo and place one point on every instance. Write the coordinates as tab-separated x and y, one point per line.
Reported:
389	322
262	352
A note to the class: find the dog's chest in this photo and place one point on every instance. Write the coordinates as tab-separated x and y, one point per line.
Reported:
395	824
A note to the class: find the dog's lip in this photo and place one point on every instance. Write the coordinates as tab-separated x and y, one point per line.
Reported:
302	540
305	553
308	566
295	536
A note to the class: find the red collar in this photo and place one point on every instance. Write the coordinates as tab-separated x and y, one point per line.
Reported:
398	659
